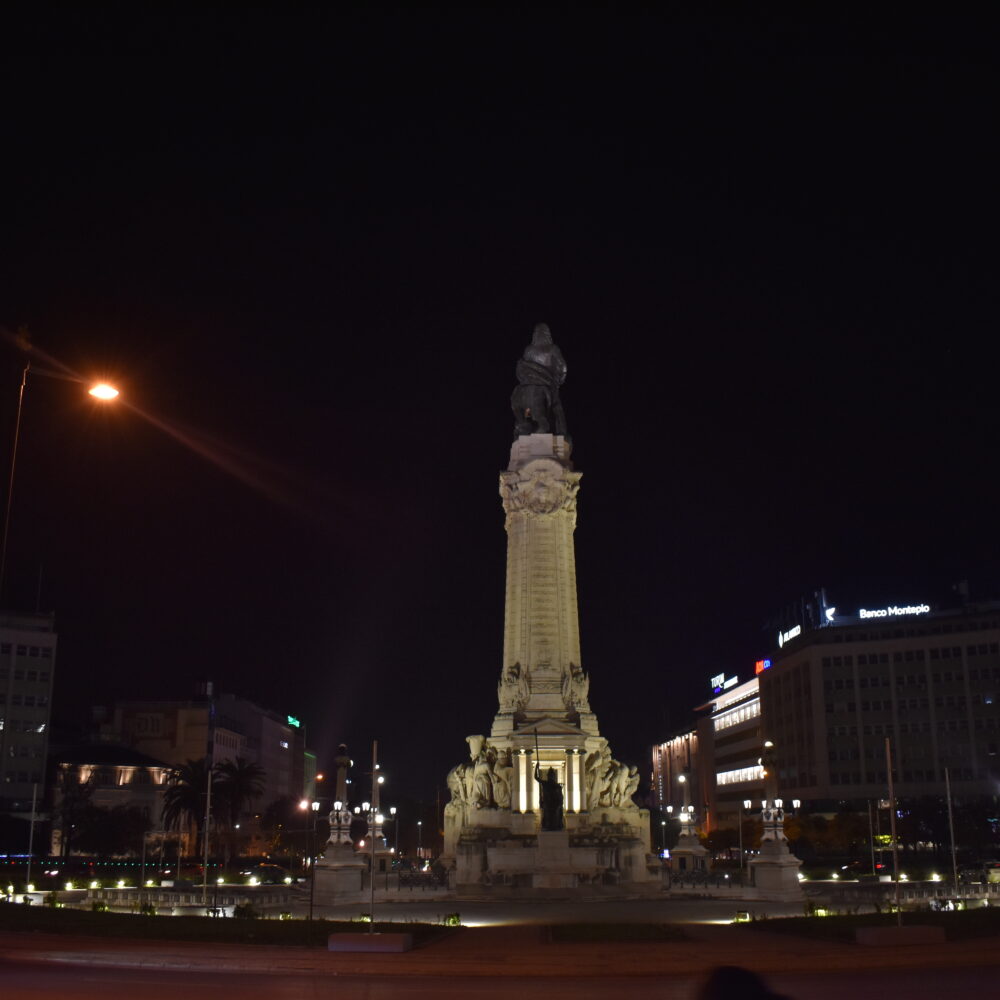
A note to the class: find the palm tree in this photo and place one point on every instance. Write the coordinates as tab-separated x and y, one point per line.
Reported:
240	782
73	801
184	800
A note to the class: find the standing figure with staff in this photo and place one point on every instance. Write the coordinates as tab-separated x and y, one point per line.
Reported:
551	795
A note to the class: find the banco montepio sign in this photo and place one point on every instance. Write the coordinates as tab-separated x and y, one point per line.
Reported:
894	611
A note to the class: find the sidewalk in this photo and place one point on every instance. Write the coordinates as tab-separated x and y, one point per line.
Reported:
507	951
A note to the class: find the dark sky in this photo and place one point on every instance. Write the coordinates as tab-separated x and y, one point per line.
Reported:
312	245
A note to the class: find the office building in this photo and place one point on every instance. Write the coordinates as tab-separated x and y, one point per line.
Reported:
720	757
27	673
927	680
178	731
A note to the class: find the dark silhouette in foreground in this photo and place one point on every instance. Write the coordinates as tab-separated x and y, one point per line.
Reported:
730	982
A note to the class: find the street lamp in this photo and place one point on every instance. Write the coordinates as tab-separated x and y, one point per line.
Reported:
395	831
102	391
745	804
420	839
312	806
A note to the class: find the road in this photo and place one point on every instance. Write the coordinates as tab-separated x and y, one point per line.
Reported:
31	982
477	913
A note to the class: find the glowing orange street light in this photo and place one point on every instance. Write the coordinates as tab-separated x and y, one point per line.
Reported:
103	391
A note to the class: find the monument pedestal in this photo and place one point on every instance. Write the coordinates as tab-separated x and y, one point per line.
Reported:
553	868
338	875
689	855
775	873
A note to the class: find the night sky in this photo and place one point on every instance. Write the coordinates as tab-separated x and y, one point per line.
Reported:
309	247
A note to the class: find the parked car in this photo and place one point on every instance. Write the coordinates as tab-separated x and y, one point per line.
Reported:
266	874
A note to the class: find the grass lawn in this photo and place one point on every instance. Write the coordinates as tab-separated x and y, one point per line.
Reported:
18	917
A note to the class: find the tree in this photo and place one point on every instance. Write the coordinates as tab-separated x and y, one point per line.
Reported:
184	800
113	832
285	827
72	802
240	781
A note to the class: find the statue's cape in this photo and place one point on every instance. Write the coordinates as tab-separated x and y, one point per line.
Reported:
530	373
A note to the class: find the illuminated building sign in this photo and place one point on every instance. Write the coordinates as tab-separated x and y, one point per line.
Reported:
784	637
761	665
292	721
720	682
893	610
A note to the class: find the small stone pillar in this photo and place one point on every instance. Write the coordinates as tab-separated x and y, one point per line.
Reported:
775	871
689	855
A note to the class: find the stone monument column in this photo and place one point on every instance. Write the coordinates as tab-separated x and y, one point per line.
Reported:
541	652
544	730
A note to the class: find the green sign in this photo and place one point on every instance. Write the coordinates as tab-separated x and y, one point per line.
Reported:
292	721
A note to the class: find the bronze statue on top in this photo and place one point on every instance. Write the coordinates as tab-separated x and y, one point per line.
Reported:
535	400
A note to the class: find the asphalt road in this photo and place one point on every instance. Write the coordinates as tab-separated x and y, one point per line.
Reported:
30	982
485	913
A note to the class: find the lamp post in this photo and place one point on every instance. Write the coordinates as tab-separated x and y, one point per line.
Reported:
102	391
420	840
663	836
313	806
142	879
337	808
31	830
745	804
395	832
951	830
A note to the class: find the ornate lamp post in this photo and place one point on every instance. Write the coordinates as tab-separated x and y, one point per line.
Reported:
775	870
